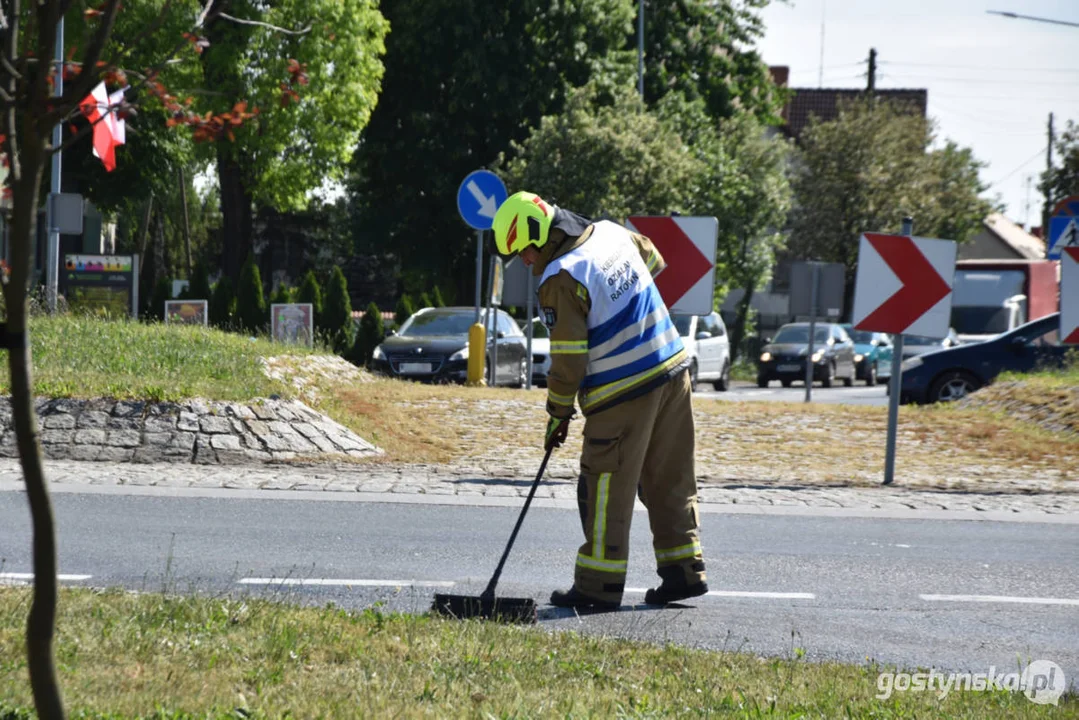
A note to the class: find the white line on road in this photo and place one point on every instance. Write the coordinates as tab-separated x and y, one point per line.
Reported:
30	576
335	582
1000	599
745	594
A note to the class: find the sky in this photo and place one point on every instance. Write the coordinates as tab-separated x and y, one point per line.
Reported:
992	80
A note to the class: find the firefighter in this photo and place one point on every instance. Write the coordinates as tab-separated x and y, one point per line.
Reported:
616	351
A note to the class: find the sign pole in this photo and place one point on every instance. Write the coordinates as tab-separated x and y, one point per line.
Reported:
528	315
479	271
52	254
488	323
895	383
812	329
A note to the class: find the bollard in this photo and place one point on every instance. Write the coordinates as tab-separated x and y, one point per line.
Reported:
477	353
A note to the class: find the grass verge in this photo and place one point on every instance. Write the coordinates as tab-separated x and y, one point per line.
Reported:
122	655
78	356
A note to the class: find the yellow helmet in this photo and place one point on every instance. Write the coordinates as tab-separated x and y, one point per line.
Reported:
523	219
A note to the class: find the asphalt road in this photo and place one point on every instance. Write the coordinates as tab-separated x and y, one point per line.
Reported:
741	391
905	592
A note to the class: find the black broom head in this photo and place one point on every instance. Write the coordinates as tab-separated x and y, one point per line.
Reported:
461	607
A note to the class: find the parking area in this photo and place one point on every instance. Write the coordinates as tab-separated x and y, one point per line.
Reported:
749	392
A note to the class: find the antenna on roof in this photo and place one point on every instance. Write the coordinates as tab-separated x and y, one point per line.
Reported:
820	71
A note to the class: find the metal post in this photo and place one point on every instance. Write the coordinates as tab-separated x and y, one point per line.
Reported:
488	322
895	384
479	271
812	329
528	314
52	254
640	49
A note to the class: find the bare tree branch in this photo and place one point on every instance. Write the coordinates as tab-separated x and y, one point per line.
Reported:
86	81
259	23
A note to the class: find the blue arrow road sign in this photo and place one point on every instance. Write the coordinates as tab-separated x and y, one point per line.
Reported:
1064	227
478	198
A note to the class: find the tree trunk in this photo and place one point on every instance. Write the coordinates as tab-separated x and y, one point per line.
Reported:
235	213
187	225
144	231
161	264
41	623
738	332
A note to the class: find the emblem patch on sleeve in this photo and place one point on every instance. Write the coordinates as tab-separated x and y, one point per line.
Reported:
549	317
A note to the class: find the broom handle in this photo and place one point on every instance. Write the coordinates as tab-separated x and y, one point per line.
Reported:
490	591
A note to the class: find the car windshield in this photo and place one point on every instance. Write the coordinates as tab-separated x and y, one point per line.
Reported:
427	324
861	337
920	340
539	330
800	334
981	320
682	323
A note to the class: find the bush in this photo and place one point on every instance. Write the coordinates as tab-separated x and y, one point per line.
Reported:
425	300
437	298
404	310
223	304
311	292
371	333
198	287
250	302
337	313
282	295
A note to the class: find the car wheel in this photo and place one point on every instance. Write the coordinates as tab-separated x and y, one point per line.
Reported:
953	385
762	382
693	376
787	383
829	376
522	374
871	374
724	382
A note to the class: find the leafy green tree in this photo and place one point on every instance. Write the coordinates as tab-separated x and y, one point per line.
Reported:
605	159
438	301
704	49
311	292
370	334
281	296
1063	180
425	300
404	310
223	304
337	312
462	80
306	128
868	169
250	300
155	309
199	286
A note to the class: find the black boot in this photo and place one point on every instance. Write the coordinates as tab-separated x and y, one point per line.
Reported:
674	587
574	598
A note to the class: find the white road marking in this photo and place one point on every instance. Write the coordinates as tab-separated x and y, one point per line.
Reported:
743	594
1001	599
30	577
335	582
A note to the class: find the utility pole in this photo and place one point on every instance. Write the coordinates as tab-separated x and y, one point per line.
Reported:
187	226
1048	208
640	49
871	86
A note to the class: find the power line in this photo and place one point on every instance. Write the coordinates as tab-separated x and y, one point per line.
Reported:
1016	16
1032	158
980	81
980	68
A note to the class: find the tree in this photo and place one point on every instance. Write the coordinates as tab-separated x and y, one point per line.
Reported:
605	159
869	168
337	312
199	287
223	304
370	334
250	300
425	300
437	299
404	310
704	49
462	80
1063	180
307	127
311	292
282	295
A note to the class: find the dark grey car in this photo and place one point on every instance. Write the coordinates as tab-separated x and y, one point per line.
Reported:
432	346
784	357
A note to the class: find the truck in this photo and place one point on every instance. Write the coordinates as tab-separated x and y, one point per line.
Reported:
990	297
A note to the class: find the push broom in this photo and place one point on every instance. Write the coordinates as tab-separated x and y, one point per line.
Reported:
486	605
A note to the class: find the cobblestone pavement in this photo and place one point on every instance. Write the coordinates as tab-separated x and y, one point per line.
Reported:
466	482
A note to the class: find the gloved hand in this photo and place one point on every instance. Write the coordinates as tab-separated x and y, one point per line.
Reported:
557	429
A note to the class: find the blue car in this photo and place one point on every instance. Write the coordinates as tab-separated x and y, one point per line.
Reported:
872	355
946	375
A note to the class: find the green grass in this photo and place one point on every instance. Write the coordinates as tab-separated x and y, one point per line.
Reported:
122	655
83	357
1065	377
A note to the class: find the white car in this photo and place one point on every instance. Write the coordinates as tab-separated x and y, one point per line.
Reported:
709	348
541	352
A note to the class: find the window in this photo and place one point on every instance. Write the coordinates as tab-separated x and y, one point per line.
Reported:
714	324
507	326
1048	338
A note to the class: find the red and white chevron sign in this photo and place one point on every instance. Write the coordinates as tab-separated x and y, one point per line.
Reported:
688	246
904	285
1069	295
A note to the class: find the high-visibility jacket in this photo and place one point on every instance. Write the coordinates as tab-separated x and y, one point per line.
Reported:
612	337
